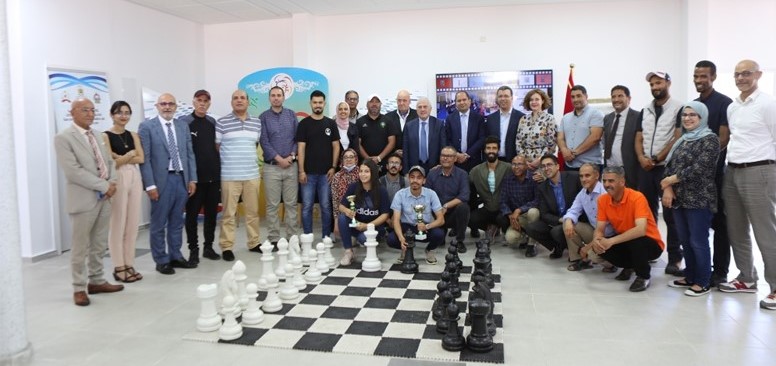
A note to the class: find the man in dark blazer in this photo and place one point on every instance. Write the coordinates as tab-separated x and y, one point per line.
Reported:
511	117
91	181
170	178
435	138
401	116
470	149
548	230
620	151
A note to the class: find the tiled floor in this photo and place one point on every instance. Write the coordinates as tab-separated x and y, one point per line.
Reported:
551	317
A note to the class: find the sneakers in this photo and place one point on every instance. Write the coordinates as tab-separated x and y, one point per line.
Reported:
228	255
695	293
639	284
674	270
430	257
679	283
738	286
769	302
347	258
530	251
625	274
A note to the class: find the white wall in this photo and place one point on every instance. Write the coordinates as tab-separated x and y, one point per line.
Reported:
136	46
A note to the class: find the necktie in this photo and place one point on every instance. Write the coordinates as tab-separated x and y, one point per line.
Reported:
172	148
423	144
610	138
102	169
464	131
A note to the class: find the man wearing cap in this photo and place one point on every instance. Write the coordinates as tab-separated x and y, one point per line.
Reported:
504	123
278	144
424	137
655	135
351	98
208	194
579	135
620	135
377	137
405	218
401	116
750	182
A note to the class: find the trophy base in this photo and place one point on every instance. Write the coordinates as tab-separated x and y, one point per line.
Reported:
353	225
421	236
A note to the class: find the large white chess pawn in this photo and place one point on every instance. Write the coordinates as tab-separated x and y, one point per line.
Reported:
231	329
328	244
294	252
208	320
272	303
239	278
307	246
321	262
267	273
371	263
288	291
299	281
313	275
280	271
253	314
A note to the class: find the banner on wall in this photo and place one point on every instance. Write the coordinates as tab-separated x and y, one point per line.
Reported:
67	85
298	84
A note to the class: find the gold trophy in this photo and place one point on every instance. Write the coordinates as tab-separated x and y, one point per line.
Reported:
352	200
419	209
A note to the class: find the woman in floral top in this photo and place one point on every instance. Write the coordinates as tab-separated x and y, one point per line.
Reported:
689	190
342	178
536	132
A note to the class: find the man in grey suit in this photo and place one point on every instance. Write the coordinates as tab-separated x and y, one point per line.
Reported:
91	181
170	178
620	135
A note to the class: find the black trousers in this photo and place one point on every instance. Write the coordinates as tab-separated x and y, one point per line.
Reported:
457	218
208	195
721	260
649	185
634	254
550	236
481	218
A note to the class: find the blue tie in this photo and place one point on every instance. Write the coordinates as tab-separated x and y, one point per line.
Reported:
423	144
172	148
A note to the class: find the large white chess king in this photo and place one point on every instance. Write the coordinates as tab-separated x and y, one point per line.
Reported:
371	263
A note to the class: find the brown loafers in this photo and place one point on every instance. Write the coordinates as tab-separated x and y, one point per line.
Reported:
103	287
80	298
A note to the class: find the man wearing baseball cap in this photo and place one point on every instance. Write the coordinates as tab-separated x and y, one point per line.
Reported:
376	135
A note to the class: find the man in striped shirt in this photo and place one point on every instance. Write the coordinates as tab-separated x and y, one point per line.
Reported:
237	135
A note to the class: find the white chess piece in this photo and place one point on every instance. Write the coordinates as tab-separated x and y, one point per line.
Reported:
253	314
280	271
239	278
371	263
328	244
208	320
307	246
266	266
288	291
313	275
299	281
294	252
231	329
229	288
320	263
272	303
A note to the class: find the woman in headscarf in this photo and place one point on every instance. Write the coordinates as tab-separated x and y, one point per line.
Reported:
347	174
347	131
689	190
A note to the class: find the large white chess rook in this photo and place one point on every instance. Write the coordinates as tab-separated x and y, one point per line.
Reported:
313	275
267	274
208	320
307	246
371	263
253	314
280	271
231	329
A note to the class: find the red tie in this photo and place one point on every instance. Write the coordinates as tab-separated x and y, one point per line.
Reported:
101	167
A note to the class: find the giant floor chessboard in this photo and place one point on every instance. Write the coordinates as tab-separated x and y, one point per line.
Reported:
384	313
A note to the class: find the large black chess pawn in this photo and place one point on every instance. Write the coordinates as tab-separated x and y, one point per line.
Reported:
453	340
452	249
444	283
479	340
455	287
444	321
408	265
482	263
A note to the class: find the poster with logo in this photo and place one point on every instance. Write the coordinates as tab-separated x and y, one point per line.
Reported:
67	85
297	83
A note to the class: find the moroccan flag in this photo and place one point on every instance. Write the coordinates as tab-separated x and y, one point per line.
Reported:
568	107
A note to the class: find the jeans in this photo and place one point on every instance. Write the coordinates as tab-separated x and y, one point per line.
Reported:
693	225
317	184
347	233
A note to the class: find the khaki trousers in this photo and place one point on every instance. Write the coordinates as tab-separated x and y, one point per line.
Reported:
230	197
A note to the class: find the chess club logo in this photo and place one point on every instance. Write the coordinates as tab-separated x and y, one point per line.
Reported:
327	131
285	82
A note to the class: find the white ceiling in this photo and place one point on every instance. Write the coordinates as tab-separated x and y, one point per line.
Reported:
231	11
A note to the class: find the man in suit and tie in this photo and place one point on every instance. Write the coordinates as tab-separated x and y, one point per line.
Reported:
423	139
556	195
620	135
170	178
401	116
465	130
91	181
504	123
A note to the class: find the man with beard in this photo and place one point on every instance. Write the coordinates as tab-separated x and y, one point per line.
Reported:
318	145
452	186
636	239
703	76
393	181
465	131
620	135
377	137
400	117
556	194
423	138
351	98
518	203
579	135
503	123
486	179
655	135
405	218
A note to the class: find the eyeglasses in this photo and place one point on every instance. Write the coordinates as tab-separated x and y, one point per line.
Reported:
447	155
349	156
166	104
123	113
352	99
690	115
745	74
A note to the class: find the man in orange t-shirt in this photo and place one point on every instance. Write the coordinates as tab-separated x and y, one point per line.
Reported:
637	240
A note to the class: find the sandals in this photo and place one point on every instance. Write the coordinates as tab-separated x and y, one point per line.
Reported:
129	274
579	265
134	273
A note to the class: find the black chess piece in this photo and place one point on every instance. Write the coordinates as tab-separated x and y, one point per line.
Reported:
408	265
483	263
479	340
452	249
444	321
442	285
455	287
453	340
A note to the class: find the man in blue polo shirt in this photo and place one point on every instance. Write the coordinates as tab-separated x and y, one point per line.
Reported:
579	136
